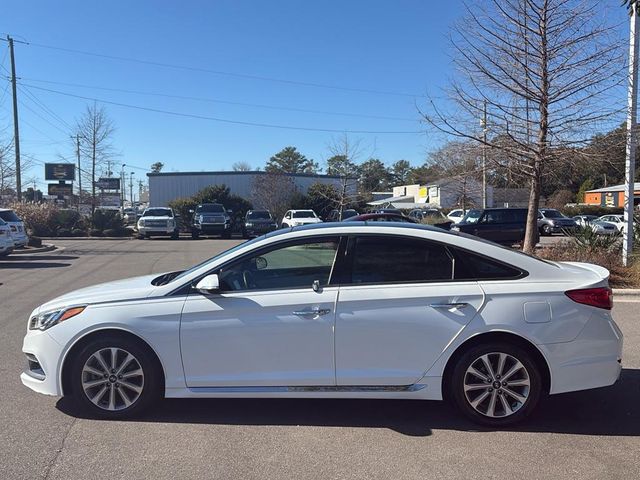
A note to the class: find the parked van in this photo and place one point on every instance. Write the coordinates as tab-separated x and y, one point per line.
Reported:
501	225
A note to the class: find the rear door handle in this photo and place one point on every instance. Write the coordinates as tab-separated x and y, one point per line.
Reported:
315	312
449	306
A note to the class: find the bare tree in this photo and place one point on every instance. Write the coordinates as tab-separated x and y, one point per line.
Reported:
273	192
343	164
241	167
545	72
96	133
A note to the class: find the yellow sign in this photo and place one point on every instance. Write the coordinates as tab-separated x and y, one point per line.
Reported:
422	193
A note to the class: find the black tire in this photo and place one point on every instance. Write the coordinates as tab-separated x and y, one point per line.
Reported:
533	392
175	236
226	235
546	230
195	235
152	383
141	237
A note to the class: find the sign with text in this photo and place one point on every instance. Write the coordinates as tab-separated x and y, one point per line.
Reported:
108	183
60	171
60	189
110	200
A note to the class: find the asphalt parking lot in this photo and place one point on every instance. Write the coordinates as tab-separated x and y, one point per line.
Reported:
584	435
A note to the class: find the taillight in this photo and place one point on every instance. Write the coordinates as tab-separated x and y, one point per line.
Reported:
600	297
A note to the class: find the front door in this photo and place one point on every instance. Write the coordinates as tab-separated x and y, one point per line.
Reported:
398	309
267	326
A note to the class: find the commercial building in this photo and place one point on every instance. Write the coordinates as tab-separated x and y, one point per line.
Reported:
165	187
611	196
442	193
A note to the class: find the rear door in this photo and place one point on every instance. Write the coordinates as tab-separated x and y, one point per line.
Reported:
398	309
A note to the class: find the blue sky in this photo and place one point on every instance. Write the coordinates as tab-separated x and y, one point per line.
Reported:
398	47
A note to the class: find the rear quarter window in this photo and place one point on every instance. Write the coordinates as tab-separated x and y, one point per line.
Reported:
470	266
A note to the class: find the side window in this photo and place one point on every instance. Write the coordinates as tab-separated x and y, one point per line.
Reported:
469	266
294	265
387	259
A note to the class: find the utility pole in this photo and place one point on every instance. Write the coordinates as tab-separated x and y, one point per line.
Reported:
629	170
79	170
122	186
484	156
16	132
131	174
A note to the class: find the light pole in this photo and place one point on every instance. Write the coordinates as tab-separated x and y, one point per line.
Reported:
629	171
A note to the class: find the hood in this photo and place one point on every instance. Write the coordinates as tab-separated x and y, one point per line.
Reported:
156	218
130	288
306	220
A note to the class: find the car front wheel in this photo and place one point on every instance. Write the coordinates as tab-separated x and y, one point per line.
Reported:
115	377
496	385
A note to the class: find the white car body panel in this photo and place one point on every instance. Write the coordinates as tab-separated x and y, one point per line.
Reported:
6	240
383	337
298	221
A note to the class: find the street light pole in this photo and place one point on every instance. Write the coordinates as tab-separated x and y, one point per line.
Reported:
629	171
131	174
122	187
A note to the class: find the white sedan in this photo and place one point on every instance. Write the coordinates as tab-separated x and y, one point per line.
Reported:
348	310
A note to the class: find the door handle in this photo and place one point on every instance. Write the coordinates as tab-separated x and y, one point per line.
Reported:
315	312
449	306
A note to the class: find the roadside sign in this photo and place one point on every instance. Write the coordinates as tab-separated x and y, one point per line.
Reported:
108	183
60	189
60	171
110	200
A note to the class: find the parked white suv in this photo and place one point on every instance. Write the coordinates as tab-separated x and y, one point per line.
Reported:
293	218
6	241
18	232
158	221
456	215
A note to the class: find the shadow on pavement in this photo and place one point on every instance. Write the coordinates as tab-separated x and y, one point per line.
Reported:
32	265
607	411
35	256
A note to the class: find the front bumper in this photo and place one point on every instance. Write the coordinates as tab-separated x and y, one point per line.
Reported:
19	241
592	360
156	230
212	228
43	374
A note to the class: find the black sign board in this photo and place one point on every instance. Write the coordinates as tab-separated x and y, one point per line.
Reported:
60	189
108	183
60	171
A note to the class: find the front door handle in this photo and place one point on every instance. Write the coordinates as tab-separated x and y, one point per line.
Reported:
316	312
449	306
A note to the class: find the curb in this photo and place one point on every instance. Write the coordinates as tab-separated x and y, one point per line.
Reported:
626	292
88	238
47	247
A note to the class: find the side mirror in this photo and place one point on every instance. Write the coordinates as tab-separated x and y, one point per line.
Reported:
191	210
209	284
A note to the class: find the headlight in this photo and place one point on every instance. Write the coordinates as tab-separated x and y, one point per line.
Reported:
248	224
46	320
170	223
141	223
455	228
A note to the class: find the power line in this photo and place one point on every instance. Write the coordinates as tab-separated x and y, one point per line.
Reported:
44	119
212	100
225	73
45	108
222	120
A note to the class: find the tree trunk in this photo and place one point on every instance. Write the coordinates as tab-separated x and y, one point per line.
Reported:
531	234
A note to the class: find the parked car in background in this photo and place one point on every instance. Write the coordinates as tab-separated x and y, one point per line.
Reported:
258	222
501	225
616	220
157	222
293	218
421	214
6	240
404	312
552	221
16	225
211	219
381	217
334	216
130	216
598	226
456	215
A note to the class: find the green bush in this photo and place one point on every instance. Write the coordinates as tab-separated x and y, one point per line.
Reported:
63	232
106	220
77	232
590	210
587	239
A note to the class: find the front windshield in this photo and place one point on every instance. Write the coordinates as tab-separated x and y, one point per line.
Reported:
552	214
210	208
158	212
9	216
304	214
472	216
259	215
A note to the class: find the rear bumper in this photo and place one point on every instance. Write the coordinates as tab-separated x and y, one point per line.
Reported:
592	360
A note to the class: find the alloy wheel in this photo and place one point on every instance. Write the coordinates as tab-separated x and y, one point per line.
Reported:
497	385
112	379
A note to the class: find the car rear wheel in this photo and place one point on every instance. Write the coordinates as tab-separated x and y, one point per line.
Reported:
195	235
496	385
115	377
546	230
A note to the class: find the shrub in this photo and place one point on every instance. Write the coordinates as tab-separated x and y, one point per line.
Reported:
590	210
590	241
39	218
64	232
77	232
94	232
106	220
